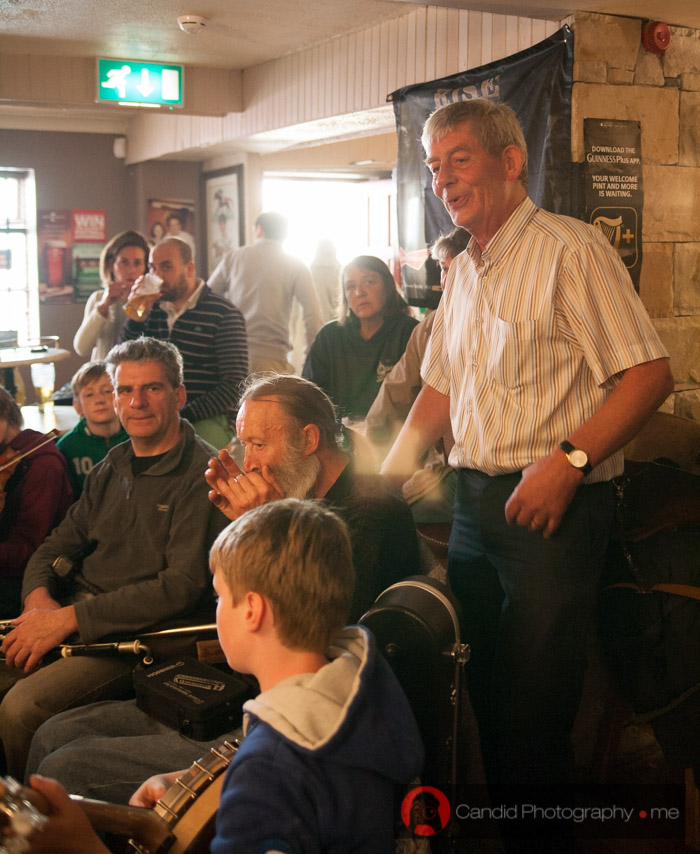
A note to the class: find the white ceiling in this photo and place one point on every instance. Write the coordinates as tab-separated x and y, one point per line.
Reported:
241	33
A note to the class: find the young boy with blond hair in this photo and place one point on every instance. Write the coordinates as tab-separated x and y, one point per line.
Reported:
329	734
97	431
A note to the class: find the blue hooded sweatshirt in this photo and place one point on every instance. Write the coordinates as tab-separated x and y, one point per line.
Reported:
321	754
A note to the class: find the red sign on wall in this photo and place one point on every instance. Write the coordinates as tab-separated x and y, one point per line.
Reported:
89	227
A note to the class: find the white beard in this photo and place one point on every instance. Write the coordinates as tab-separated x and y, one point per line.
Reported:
298	474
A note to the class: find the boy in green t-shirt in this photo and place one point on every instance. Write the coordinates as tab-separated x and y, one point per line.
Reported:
98	429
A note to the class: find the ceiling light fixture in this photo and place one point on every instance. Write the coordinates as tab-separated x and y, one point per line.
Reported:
191	23
136	104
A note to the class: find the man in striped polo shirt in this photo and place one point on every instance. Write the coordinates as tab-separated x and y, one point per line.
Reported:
208	331
545	364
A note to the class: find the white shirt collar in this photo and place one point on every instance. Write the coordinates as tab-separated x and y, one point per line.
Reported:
173	314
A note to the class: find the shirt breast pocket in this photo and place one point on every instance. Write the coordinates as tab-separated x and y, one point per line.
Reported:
517	356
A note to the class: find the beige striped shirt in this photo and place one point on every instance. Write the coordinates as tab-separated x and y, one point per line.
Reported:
530	338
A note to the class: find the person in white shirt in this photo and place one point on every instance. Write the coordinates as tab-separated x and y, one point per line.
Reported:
544	363
325	274
430	491
263	282
122	261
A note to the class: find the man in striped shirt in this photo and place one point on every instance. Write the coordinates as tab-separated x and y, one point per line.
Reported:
544	363
208	331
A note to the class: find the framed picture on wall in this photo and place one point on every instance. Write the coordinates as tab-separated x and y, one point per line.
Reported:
224	219
171	218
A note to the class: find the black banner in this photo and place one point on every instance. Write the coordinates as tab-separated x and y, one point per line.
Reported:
613	191
536	83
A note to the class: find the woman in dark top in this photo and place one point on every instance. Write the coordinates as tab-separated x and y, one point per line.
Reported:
351	356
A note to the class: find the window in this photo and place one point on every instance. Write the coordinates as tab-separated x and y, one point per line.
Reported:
353	214
19	295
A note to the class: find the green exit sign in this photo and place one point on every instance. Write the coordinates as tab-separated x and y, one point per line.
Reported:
139	82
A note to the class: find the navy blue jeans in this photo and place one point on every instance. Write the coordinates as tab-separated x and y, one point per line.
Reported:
527	604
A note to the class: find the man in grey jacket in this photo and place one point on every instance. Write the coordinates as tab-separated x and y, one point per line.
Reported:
139	537
288	427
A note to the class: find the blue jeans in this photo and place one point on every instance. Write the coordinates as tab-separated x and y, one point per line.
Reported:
527	603
53	688
106	750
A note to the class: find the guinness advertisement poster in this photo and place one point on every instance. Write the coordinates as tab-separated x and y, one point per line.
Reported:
613	192
536	83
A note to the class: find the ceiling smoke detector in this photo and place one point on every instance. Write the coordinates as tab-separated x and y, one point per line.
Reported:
191	23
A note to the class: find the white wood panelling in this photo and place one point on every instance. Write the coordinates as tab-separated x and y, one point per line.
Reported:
350	74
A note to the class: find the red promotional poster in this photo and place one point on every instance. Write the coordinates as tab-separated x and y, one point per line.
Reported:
70	243
89	227
55	242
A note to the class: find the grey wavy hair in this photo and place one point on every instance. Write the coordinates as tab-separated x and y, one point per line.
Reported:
495	125
145	349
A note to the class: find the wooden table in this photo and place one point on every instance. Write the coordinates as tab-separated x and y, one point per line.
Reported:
61	418
14	357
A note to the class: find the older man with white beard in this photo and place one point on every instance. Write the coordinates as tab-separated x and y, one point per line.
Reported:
288	428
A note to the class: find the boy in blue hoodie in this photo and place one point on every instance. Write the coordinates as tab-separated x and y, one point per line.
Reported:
331	731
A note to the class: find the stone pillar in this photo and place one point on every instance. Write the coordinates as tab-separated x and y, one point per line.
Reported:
615	77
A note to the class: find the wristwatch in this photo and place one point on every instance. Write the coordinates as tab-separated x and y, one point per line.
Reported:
577	457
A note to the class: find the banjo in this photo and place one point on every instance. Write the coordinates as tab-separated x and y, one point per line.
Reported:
181	822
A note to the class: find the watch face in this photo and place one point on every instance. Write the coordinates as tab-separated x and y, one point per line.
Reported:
578	458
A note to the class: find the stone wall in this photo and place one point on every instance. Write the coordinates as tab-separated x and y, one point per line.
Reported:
615	77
